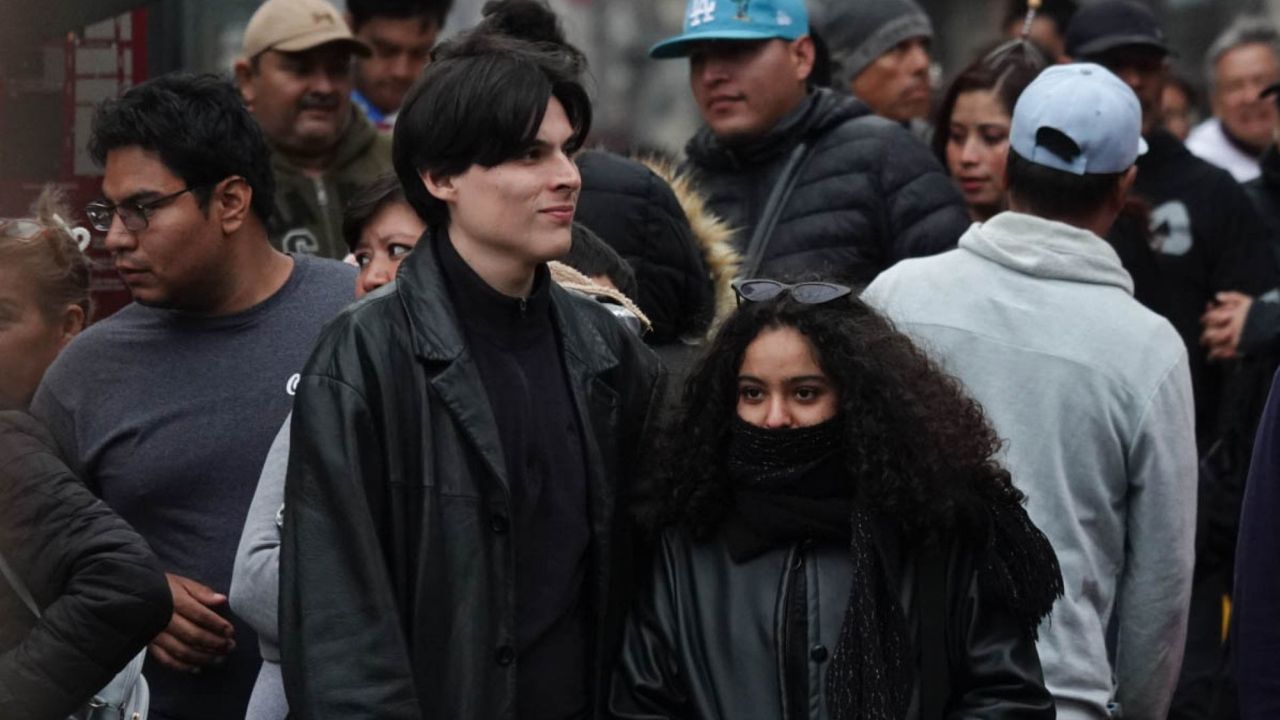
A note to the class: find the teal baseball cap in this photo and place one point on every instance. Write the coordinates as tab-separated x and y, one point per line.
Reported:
735	20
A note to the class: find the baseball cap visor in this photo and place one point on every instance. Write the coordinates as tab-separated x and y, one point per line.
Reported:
315	40
681	45
1111	42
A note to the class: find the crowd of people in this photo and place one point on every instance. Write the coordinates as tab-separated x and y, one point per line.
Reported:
883	401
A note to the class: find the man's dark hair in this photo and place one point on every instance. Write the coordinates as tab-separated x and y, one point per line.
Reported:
481	101
200	128
1054	194
428	11
367	202
592	256
1059	11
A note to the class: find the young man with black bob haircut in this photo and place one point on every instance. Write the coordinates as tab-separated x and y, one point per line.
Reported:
167	408
456	536
1090	391
401	34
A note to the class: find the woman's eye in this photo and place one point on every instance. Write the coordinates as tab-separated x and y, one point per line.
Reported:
995	137
363	259
807	394
748	392
398	250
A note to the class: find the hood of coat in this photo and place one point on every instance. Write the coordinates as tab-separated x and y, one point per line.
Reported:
1046	248
714	236
821	111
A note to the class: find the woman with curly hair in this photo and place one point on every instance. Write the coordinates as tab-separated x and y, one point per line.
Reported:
838	538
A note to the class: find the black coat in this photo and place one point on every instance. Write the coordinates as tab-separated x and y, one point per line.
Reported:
397	588
636	212
708	638
99	587
871	193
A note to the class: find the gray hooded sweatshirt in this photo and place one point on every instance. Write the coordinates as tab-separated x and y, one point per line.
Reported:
1091	394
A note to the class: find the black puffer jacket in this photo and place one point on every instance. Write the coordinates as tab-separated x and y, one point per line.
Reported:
99	587
710	638
871	194
398	566
635	211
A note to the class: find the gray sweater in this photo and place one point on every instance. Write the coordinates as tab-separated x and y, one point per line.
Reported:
1091	393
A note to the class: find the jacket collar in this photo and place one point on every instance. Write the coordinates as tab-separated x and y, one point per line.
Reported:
1046	248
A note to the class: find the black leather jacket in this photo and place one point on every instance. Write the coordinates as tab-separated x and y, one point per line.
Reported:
707	639
869	195
397	594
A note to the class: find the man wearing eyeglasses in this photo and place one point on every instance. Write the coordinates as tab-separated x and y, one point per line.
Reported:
167	408
296	77
1212	253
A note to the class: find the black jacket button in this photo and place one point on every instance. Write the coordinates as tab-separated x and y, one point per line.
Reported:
499	523
819	653
506	655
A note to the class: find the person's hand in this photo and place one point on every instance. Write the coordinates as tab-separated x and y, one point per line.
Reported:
197	636
1223	323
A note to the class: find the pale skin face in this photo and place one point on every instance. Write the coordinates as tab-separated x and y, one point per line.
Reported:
781	385
1240	76
301	100
977	148
29	339
1175	111
896	84
384	243
744	87
507	220
401	48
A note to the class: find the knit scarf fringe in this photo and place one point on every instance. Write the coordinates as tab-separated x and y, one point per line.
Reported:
1021	568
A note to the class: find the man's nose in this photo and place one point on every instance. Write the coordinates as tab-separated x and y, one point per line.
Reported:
119	237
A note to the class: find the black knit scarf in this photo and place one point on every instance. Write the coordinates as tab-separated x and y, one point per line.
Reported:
790	485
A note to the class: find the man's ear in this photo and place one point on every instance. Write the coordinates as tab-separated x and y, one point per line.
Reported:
232	200
441	187
1124	186
244	80
803	56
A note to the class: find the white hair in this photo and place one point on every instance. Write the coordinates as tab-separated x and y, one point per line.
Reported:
1244	30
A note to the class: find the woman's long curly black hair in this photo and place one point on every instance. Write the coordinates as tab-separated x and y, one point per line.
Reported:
918	448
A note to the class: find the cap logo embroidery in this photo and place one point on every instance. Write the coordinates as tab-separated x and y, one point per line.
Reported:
744	10
701	12
783	19
320	17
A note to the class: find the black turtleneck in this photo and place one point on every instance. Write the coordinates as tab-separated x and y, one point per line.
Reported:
516	347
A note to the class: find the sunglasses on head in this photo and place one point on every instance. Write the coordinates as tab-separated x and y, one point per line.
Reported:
809	293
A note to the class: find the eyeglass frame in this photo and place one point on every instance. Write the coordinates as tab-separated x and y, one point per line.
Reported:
141	210
789	289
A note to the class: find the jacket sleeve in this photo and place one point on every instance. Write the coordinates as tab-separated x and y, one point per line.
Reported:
343	651
647	681
1154	590
1242	258
255	579
926	212
1261	333
1257	583
101	590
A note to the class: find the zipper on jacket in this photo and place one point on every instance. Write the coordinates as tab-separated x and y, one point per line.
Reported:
794	644
524	308
322	195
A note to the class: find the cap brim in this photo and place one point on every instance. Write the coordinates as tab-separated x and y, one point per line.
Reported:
314	41
680	45
1111	42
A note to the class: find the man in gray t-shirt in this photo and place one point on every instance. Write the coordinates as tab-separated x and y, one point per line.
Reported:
167	408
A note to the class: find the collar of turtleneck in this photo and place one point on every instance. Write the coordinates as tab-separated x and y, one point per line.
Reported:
504	319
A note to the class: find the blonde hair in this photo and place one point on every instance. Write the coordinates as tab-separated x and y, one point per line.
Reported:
52	259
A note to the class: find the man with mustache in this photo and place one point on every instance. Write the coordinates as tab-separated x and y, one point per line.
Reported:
815	181
295	76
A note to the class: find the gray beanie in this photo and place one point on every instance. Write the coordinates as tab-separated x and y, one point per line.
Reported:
859	31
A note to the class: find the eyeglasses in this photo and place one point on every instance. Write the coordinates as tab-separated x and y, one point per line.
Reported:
135	215
809	293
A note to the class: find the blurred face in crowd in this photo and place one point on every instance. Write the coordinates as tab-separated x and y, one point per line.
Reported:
780	383
384	243
1144	69
515	215
179	259
29	337
896	84
1176	111
1239	76
744	87
300	99
977	148
401	48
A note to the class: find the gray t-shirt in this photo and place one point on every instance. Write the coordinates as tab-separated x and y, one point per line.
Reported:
168	417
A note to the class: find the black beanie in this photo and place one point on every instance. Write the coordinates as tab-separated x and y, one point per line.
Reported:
859	31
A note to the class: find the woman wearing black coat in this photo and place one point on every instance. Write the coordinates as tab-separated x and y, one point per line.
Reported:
838	539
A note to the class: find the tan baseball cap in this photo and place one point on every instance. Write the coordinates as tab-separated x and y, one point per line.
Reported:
297	25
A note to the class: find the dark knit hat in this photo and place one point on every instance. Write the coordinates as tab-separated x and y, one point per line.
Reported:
860	31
